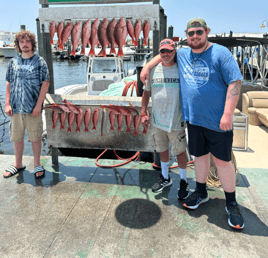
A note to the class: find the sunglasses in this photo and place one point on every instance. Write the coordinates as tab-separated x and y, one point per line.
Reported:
165	42
198	32
166	50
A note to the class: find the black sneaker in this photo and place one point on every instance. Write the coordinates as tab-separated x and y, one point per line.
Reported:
195	199
161	184
235	219
183	193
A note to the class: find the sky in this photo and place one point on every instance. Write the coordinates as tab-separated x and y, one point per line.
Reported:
222	16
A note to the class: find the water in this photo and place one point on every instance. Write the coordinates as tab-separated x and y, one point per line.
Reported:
66	72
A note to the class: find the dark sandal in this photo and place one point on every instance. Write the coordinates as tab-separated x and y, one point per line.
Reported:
39	169
13	171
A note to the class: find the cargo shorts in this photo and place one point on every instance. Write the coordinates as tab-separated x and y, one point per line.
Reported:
20	122
176	138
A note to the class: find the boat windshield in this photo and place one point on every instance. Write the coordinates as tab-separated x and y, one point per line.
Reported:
104	66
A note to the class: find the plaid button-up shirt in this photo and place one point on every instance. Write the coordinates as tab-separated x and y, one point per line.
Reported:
26	77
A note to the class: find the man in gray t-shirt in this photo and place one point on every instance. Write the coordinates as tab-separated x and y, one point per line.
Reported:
168	126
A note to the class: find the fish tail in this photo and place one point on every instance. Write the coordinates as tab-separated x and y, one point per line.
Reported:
112	51
51	41
133	42
54	126
86	129
77	129
120	53
69	129
82	53
72	53
94	127
145	43
60	47
112	128
119	128
102	53
136	43
92	52
135	132
144	131
62	127
128	130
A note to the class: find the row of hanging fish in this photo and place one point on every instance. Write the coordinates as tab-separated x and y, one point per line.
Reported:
106	33
65	109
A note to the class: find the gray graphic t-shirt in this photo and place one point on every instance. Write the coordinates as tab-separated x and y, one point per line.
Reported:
165	94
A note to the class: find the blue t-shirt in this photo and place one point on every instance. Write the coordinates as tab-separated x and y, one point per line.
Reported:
204	79
26	77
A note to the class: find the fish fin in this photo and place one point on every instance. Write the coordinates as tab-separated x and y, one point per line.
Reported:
82	53
120	53
135	133
145	43
86	129
102	53
77	129
72	53
133	41
136	43
119	128
92	52
94	127
112	128
69	129
54	126
62	127
60	47
51	41
144	131
128	130
112	51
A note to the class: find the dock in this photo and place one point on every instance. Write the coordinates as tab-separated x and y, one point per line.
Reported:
81	210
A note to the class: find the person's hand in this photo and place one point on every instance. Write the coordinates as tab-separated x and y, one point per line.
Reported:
144	76
145	121
8	110
36	111
226	122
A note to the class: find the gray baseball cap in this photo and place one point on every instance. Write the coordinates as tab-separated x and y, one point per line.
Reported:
202	23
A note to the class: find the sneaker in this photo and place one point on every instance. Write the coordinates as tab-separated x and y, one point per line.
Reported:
183	193
161	184
235	219
194	200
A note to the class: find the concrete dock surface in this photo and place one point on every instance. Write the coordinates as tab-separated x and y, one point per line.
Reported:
81	210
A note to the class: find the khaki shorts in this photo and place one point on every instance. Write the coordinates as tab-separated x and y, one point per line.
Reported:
20	122
176	138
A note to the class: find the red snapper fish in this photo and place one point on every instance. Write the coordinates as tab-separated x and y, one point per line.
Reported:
130	30
120	33
55	115
79	118
102	35
136	121
137	31
52	30
128	122
65	34
75	37
111	108
110	35
54	107
112	119
94	37
146	30
95	118
87	116
72	107
71	116
62	119
59	32
86	31
119	121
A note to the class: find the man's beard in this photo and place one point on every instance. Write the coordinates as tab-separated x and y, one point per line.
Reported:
199	46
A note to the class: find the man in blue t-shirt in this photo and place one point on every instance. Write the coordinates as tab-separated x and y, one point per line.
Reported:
27	84
210	82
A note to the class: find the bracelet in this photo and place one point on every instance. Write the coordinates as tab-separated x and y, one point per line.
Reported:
143	115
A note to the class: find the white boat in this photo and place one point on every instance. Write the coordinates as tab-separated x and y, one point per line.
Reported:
8	51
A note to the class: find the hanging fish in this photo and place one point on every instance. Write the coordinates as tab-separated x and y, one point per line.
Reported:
65	34
130	30
59	32
112	119
87	116
71	116
75	37
62	119
119	121
128	122
55	115
137	31
79	118
110	35
146	30
52	30
120	33
136	121
95	118
72	107
86	31
94	37
102	35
